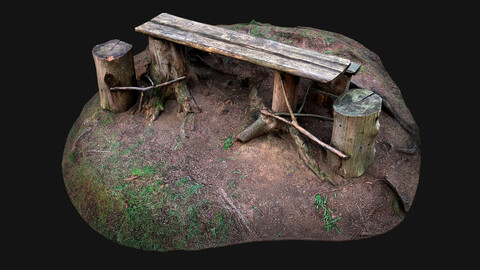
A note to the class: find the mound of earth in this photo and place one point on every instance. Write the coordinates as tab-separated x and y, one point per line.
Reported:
184	183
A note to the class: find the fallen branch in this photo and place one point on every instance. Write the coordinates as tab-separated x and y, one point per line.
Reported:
149	87
302	130
317	91
304	99
305	115
308	134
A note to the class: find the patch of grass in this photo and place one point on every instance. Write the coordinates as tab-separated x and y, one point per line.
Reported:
306	34
330	40
228	142
253	22
147	170
327	213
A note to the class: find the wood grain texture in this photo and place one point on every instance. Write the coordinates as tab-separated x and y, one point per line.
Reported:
290	83
169	61
355	127
268	53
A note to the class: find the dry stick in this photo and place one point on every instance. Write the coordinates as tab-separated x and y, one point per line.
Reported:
302	130
149	87
304	99
332	96
305	115
294	120
308	134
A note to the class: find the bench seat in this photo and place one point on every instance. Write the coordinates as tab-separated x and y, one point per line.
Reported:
264	52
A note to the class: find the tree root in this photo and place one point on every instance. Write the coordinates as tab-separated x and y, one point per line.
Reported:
266	124
309	161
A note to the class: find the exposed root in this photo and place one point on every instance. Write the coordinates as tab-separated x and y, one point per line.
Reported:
309	161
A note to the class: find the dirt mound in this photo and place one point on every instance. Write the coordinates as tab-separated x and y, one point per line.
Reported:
184	183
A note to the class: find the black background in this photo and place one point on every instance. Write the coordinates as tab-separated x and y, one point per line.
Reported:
60	38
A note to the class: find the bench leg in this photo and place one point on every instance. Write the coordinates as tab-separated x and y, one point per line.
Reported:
290	83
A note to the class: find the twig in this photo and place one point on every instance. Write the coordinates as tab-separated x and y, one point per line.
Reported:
97	151
363	220
302	130
305	115
308	134
131	178
294	120
304	99
149	87
332	96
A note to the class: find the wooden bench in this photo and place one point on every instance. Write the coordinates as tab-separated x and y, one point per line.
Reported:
289	62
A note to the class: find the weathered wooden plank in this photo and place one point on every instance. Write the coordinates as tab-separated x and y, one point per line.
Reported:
270	46
264	52
353	68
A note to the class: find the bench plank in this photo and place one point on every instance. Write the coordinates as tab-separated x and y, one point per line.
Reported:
293	60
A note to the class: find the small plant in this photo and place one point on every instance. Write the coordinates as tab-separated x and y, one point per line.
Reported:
147	170
327	213
228	142
179	141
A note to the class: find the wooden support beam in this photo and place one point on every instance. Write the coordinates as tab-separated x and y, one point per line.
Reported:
290	82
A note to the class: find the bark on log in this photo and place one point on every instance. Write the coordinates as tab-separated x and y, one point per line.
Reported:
115	67
290	83
261	126
169	61
355	127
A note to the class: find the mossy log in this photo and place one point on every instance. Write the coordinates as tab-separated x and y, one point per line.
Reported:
169	61
115	67
355	126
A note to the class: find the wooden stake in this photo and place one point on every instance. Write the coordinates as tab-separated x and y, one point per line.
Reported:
288	83
114	64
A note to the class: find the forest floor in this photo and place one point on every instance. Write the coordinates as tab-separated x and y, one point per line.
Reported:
187	184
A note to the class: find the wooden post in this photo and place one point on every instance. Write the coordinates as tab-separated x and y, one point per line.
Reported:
355	126
114	64
290	83
169	61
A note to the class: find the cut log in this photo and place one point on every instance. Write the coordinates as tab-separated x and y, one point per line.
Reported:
261	126
290	83
355	127
169	61
115	67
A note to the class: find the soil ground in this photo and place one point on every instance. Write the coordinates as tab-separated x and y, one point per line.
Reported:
143	184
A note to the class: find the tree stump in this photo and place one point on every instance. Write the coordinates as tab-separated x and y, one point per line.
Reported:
355	127
169	61
115	67
290	83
